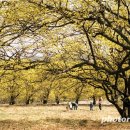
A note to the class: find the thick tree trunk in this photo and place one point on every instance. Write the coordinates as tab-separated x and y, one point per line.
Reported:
45	97
27	101
44	101
57	100
12	100
122	112
129	96
94	100
77	100
128	112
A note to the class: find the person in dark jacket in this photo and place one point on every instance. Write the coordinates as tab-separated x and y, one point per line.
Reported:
74	106
100	103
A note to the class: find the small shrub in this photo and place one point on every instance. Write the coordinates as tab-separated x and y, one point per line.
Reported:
83	122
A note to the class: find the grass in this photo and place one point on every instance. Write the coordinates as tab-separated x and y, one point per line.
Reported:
57	118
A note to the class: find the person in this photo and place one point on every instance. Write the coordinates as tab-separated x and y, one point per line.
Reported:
70	105
91	105
74	105
100	103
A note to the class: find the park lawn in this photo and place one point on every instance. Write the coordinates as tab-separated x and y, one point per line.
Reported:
57	118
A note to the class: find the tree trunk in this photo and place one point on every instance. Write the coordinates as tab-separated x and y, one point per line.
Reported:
57	100
77	100
27	101
122	112
44	101
129	112
128	96
45	97
12	100
94	100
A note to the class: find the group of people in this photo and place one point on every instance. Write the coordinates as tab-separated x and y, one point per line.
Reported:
74	105
93	103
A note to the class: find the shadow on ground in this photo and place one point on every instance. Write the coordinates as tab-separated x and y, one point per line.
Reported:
61	124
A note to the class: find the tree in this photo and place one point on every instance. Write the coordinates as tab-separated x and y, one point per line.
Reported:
107	22
11	84
46	86
103	24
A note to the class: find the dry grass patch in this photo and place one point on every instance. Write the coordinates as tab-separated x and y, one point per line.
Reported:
57	118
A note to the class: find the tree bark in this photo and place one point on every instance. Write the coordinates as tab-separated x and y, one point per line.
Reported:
122	112
77	100
12	100
128	96
45	101
27	101
57	100
94	100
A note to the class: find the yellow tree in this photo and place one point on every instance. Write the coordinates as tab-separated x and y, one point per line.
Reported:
104	24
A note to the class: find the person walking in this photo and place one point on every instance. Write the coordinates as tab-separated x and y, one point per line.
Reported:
100	103
91	105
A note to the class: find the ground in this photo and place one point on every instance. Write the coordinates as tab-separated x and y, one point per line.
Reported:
57	118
